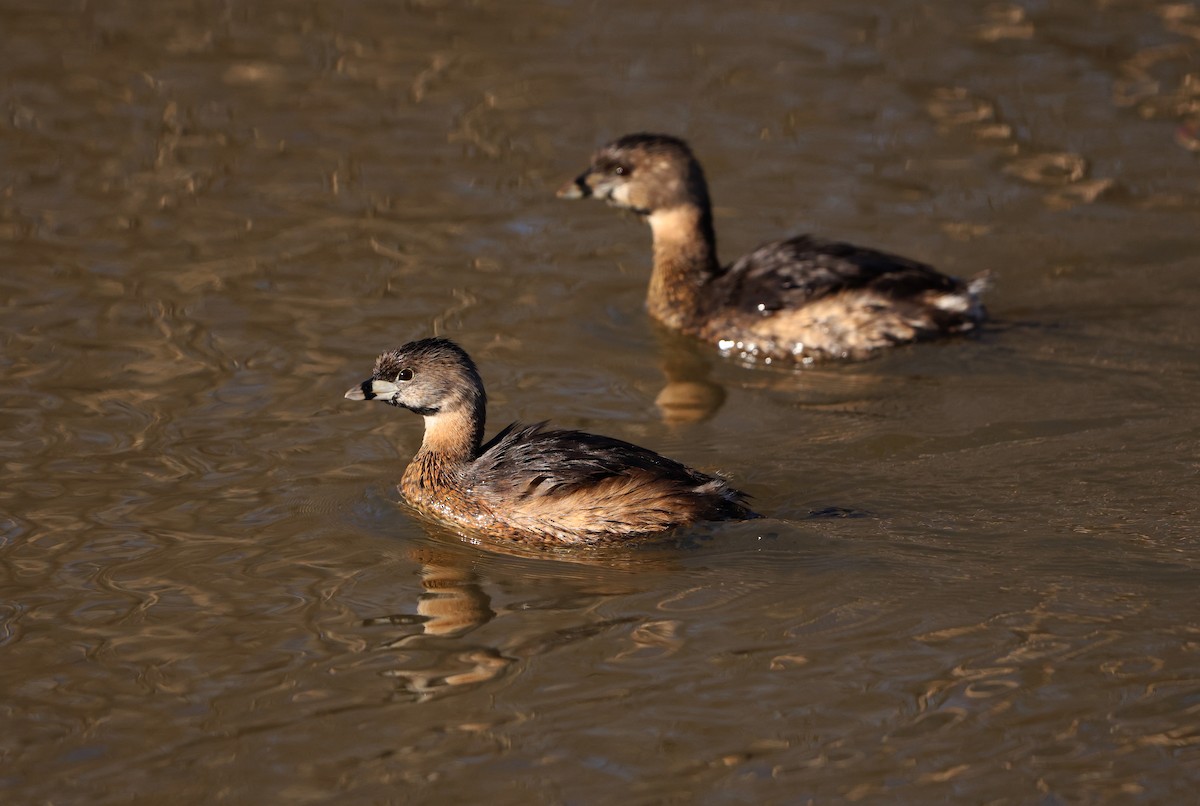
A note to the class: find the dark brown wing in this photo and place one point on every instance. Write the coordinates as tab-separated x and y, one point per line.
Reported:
792	273
526	461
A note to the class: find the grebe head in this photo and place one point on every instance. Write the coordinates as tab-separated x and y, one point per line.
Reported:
429	377
643	173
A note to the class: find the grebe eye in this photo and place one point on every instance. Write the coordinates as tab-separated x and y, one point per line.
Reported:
404	375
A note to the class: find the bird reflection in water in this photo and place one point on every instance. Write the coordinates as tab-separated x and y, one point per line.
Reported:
437	654
689	395
452	605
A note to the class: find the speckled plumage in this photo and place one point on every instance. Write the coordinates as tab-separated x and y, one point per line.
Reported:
801	299
531	483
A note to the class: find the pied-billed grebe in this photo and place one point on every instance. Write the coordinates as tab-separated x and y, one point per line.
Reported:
799	300
529	483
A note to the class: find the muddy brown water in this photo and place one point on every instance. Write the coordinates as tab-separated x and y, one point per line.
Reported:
213	216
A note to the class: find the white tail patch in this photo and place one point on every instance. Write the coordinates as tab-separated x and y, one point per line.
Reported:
979	283
957	303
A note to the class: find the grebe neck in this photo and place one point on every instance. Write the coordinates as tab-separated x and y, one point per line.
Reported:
685	260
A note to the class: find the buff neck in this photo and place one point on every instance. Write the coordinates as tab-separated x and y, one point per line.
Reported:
685	261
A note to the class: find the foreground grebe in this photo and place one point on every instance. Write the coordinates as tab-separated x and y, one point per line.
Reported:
800	300
530	484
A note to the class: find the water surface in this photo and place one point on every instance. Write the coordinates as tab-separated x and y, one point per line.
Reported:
214	216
